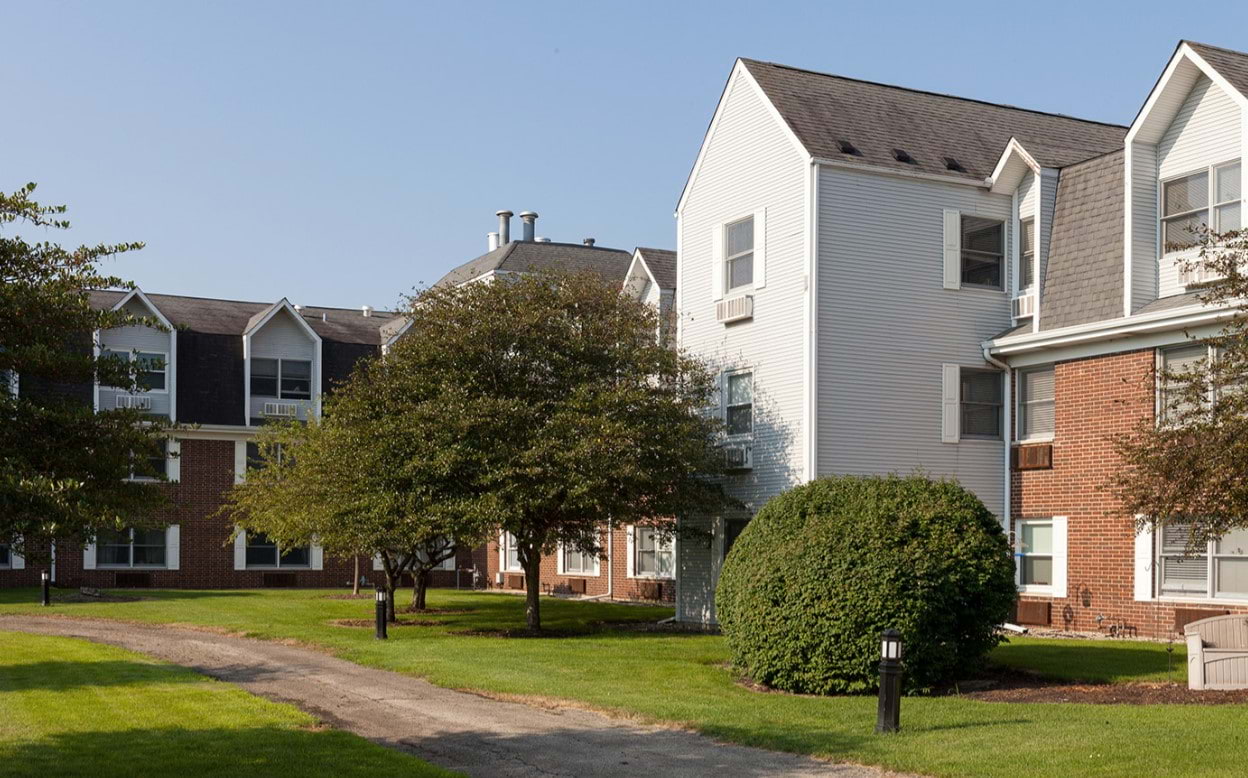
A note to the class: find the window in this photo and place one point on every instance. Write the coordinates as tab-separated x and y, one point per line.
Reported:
579	562
1183	360
1189	203
286	379
1035	403
263	552
1035	553
255	461
739	253
983	242
131	548
1211	571
654	554
732	530
981	403
6	556
1026	254
739	410
152	368
149	465
510	554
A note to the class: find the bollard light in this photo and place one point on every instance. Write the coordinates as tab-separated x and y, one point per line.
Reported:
888	717
45	581
381	613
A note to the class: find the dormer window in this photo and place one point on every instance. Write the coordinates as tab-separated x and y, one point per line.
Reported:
286	379
1209	197
152	375
1026	254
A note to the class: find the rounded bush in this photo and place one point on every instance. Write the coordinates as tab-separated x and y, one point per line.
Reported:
824	568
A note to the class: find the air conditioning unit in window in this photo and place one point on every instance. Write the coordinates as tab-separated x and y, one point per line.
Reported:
1196	274
1025	305
738	457
281	410
137	402
736	308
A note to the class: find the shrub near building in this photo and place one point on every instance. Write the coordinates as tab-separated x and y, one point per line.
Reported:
825	567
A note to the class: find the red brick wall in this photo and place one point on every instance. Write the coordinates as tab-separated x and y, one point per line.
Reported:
622	587
1095	399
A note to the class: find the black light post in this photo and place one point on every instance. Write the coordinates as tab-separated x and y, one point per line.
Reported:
45	581
888	719
381	613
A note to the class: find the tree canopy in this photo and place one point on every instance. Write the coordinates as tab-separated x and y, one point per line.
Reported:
63	467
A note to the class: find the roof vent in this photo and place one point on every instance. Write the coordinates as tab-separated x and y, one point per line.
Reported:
541	240
298	309
367	310
902	156
953	164
530	224
588	242
848	148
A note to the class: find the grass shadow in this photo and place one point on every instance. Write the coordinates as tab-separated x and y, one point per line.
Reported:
59	676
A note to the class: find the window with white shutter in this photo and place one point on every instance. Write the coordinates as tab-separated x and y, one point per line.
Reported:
980	403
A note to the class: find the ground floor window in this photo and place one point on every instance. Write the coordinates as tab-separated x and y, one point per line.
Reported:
131	548
654	556
579	562
1035	553
732	530
509	553
1211	570
6	556
263	552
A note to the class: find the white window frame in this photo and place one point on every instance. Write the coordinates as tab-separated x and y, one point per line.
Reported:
146	479
1020	554
1160	404
505	542
725	405
729	289
665	547
279	566
1210	209
1026	259
133	355
963	436
1211	556
1002	265
132	566
280	361
1021	405
563	563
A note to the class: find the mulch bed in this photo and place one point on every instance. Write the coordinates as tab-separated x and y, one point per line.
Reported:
1003	685
398	623
523	632
437	611
360	596
651	626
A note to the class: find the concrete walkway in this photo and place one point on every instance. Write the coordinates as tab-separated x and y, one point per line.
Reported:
460	731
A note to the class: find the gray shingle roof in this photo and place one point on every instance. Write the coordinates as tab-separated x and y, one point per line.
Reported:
824	109
232	317
533	257
1232	65
1083	282
662	264
1171	302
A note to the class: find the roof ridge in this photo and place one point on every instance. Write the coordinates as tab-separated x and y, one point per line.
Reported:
267	305
935	94
573	245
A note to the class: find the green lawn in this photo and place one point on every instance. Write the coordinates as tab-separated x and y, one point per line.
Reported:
1104	661
69	707
682	678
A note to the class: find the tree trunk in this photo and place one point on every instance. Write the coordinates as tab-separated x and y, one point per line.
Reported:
533	590
355	580
420	585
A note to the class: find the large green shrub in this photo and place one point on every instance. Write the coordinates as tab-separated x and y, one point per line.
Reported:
825	567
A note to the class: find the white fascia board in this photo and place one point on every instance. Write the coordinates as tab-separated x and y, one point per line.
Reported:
639	260
1011	168
283	305
1144	121
214	432
1113	329
137	292
738	68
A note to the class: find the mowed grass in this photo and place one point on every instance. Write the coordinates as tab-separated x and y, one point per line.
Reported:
69	707
683	678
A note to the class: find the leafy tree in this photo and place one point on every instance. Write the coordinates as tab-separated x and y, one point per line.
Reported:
1190	466
562	409
62	465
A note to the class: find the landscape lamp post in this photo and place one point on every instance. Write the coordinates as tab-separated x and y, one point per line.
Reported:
45	581
381	613
888	718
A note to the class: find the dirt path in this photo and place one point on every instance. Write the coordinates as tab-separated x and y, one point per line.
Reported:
465	732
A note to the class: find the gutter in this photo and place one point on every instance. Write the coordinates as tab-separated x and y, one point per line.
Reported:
1007	433
1121	327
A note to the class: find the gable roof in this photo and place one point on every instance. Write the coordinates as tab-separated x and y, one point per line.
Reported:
1232	65
520	256
662	266
233	317
822	110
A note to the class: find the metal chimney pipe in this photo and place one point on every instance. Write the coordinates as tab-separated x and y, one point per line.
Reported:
492	240
530	225
588	242
367	310
504	227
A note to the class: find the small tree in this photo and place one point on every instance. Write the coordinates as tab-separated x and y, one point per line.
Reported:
63	467
1190	466
567	410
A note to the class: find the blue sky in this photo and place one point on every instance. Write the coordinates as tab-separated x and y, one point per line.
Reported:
342	153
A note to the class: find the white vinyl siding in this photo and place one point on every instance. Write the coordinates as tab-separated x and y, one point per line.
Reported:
282	338
1044	225
1205	132
146	340
749	165
1144	243
880	394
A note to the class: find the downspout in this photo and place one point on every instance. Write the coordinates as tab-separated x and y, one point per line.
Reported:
610	560
1008	436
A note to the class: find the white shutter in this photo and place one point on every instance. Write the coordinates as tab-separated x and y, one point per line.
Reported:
317	555
173	542
240	551
717	262
1059	556
950	399
953	249
760	249
631	532
1144	566
88	557
173	464
16	561
240	463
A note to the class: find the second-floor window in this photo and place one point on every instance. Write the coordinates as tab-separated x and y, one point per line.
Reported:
1036	403
739	253
286	379
1209	198
981	403
739	410
983	251
151	366
1026	254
